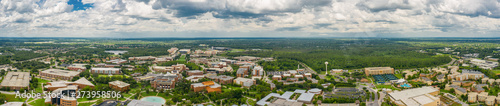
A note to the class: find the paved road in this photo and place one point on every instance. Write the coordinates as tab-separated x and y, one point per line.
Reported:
307	68
374	102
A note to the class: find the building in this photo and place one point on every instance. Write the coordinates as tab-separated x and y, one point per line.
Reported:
16	80
119	86
378	70
276	77
424	96
110	71
185	51
165	81
195	78
426	80
209	86
77	67
244	82
80	84
172	50
484	64
143	103
59	74
194	72
337	71
67	98
117	61
142	58
242	72
472	97
490	100
163	59
306	98
258	71
482	96
163	69
466	74
223	79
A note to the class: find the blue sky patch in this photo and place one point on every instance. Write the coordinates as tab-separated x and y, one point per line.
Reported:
78	5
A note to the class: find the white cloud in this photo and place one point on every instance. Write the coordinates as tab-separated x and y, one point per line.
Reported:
189	18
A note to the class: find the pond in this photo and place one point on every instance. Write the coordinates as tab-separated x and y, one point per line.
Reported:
154	99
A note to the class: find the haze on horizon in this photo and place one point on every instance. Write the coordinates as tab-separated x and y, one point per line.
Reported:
249	18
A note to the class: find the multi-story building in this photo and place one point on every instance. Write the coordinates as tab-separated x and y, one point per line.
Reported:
163	69
142	58
16	80
119	85
378	70
466	74
194	72
165	81
484	64
117	61
425	96
68	99
258	71
80	84
105	70
244	82
77	67
242	72
209	86
172	50
185	51
223	79
59	74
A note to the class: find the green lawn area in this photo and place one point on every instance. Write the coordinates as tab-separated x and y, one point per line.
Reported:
182	58
399	75
12	98
251	102
444	91
39	87
237	50
496	71
84	99
39	102
386	86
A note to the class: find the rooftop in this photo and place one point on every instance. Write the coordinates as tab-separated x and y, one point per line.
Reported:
119	83
59	72
142	103
16	79
306	97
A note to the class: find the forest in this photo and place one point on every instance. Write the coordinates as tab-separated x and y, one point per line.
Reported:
341	54
279	65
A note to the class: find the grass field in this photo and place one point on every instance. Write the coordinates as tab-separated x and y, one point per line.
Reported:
12	98
399	75
182	58
39	87
39	102
387	86
496	71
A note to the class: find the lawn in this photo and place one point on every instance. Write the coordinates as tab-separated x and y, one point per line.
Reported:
399	75
12	98
38	102
182	58
39	87
496	71
386	86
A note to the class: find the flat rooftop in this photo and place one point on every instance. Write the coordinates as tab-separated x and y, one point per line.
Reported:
60	72
16	79
119	83
378	68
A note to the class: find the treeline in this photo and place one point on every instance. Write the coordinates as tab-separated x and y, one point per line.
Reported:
348	54
279	65
4	60
30	65
159	51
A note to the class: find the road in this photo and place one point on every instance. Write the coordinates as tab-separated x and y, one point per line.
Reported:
307	68
372	102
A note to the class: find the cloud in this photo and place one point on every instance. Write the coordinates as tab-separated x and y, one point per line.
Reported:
299	18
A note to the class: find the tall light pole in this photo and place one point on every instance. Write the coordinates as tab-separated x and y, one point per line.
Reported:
326	67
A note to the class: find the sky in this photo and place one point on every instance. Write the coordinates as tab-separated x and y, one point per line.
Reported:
249	18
